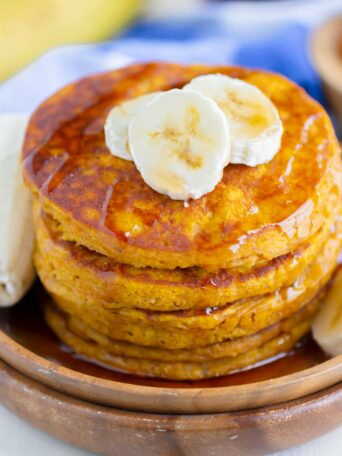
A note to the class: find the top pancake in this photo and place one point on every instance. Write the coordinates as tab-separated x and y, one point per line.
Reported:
102	202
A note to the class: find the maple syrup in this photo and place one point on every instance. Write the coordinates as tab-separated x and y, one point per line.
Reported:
25	324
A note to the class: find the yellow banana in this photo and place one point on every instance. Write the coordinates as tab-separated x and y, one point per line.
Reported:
30	27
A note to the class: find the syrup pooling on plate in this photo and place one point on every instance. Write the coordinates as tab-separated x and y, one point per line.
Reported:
24	323
77	125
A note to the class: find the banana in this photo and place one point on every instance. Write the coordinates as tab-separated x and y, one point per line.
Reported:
177	138
180	143
116	126
28	28
255	126
327	327
16	225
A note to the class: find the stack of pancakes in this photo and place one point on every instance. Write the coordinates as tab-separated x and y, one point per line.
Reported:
156	287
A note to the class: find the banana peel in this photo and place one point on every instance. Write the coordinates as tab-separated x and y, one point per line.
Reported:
28	28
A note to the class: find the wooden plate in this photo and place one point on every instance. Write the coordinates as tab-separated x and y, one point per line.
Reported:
112	413
114	432
326	52
27	345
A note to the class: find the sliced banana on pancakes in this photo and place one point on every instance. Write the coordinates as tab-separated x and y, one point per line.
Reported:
182	139
254	122
116	126
180	143
327	327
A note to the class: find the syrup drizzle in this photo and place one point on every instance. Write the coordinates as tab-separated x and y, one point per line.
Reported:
75	123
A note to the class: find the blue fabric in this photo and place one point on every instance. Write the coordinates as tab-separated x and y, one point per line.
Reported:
285	53
283	50
201	40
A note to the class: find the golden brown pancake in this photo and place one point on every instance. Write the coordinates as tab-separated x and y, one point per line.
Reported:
230	347
111	353
254	214
151	286
189	329
98	278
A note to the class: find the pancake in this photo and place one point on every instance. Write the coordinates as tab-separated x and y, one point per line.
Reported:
93	346
178	330
255	214
230	348
99	278
155	287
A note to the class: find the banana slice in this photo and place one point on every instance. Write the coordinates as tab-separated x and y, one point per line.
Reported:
116	126
16	224
180	143
327	327
255	126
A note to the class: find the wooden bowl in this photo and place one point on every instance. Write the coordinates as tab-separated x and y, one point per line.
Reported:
114	432
326	50
112	413
148	395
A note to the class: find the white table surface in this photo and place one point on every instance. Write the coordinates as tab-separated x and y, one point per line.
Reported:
18	438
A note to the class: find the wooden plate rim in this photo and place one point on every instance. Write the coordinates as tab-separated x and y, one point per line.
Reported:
327	61
109	431
170	400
